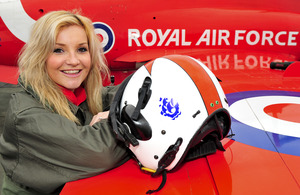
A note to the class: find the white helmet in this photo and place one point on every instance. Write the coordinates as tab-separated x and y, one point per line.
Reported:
171	109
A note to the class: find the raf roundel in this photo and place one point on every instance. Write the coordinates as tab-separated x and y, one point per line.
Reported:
107	35
267	115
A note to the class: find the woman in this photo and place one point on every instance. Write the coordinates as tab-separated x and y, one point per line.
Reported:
56	128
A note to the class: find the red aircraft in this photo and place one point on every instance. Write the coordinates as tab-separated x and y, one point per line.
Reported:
237	40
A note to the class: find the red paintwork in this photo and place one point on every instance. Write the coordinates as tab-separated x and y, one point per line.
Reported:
241	169
8	74
293	70
252	171
193	16
191	177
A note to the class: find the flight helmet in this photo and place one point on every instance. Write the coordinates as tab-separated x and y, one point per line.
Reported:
171	109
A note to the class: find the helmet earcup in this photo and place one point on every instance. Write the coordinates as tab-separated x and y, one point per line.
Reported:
140	128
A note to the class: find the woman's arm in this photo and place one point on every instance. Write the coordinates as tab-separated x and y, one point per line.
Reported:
44	150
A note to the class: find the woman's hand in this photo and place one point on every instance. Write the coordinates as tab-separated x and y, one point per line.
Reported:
98	117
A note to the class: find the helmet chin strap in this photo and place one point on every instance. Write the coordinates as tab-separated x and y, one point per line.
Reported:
164	162
168	157
162	184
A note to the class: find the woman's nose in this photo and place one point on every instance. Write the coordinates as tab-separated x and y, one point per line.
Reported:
73	59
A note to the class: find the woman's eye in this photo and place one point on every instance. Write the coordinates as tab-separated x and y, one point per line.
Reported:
58	50
82	49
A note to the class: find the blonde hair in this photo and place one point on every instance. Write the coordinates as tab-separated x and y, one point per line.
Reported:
32	62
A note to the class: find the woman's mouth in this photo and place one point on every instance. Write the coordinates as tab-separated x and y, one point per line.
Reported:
71	71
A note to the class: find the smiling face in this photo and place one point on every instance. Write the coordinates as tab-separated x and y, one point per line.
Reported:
70	62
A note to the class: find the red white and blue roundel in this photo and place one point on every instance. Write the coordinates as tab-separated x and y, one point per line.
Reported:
261	116
107	35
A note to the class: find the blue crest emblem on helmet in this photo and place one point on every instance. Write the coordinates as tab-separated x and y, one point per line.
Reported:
169	108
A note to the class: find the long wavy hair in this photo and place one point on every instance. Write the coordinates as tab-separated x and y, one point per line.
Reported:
32	62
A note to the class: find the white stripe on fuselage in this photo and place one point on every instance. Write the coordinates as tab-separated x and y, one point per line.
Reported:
16	19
